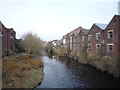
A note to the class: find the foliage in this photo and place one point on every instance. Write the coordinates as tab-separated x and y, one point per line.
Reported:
105	64
99	53
49	48
32	43
18	68
18	46
84	53
60	51
68	51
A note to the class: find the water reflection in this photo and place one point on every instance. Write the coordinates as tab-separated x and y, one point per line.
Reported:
65	73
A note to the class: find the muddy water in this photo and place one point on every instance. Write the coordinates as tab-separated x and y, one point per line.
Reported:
70	74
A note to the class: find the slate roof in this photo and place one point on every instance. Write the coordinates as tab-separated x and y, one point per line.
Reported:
101	26
85	31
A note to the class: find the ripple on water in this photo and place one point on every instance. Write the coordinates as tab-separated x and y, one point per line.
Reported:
68	74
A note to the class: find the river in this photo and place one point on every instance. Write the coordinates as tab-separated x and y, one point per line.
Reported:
70	74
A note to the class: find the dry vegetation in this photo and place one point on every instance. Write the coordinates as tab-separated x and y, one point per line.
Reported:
106	64
32	43
22	71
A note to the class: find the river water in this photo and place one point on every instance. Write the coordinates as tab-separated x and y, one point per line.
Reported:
70	74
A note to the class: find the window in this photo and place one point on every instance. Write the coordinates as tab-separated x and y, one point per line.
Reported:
97	36
89	47
89	37
103	41
109	47
78	39
83	37
110	34
70	43
70	39
11	35
74	40
64	41
74	45
97	46
1	34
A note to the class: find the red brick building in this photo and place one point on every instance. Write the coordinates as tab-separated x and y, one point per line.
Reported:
69	39
74	40
8	38
82	37
106	38
112	38
96	38
101	37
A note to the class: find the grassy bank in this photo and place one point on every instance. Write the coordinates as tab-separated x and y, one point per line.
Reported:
104	63
21	71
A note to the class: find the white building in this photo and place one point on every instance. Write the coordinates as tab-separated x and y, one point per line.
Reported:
119	8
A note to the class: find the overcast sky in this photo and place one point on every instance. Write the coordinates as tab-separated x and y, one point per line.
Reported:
51	19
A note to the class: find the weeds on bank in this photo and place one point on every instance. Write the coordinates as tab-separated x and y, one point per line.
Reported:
13	69
105	64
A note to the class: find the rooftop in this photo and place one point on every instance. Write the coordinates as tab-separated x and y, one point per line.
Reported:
101	26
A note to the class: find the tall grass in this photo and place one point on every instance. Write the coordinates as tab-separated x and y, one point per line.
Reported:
14	69
105	64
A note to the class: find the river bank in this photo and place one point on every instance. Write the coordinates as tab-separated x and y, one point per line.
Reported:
21	71
104	64
67	73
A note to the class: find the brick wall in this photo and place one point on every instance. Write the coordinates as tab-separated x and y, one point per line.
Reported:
95	31
113	26
8	38
94	41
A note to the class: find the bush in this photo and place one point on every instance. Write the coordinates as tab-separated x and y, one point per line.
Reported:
105	64
32	44
14	70
84	54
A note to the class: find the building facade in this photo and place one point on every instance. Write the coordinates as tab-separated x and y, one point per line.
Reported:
112	37
69	39
96	38
8	38
74	40
104	38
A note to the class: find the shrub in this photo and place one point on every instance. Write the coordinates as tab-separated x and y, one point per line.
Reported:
105	64
13	68
32	43
84	54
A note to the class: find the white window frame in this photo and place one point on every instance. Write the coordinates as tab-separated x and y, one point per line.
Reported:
108	47
74	39
64	41
97	47
108	33
71	42
83	38
89	37
88	47
97	36
78	39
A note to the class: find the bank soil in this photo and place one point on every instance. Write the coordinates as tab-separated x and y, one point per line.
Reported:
21	71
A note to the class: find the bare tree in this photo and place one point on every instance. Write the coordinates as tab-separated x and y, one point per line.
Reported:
32	43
